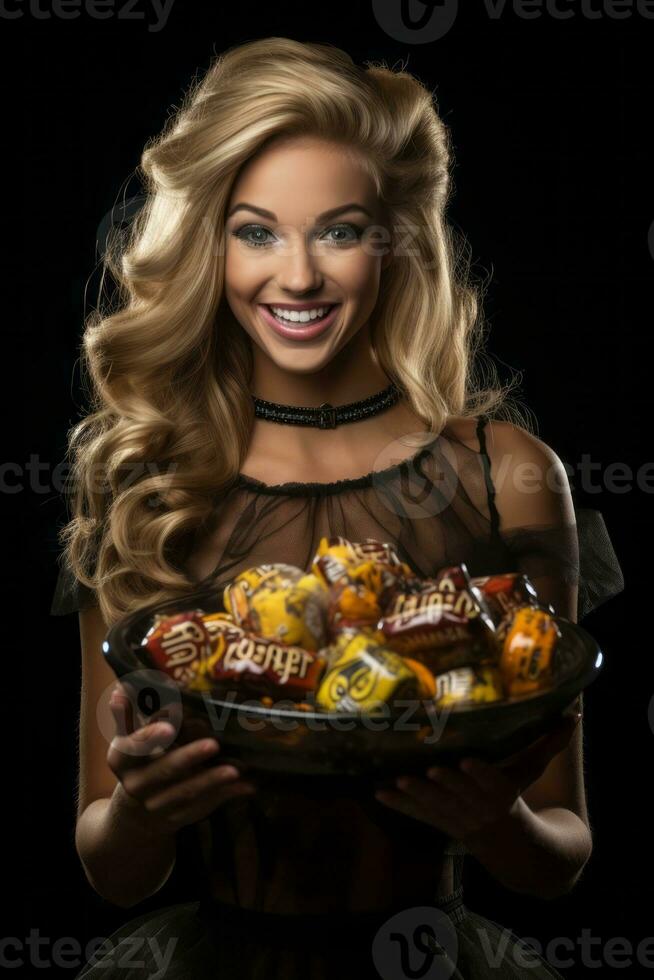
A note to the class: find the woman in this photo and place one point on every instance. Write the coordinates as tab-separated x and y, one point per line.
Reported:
293	258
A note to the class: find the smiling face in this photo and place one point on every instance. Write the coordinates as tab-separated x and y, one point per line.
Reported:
304	239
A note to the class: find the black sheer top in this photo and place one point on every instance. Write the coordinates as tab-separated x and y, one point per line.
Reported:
437	507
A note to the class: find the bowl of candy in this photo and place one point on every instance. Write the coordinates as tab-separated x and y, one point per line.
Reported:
356	667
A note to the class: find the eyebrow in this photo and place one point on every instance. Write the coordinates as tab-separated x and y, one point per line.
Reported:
332	213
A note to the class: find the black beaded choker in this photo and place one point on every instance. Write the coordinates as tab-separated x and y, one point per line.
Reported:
327	416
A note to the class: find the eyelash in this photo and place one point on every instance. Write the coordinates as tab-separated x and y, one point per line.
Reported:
239	233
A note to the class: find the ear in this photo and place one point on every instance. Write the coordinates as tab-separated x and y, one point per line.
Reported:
387	258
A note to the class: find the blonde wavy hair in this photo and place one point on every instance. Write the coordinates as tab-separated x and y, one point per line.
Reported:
166	363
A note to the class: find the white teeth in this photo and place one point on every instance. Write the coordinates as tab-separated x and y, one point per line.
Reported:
299	317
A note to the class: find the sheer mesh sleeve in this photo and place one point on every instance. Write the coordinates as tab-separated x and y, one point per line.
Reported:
70	594
579	556
549	556
600	574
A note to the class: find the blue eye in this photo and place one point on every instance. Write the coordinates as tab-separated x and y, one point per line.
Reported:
356	231
259	230
249	229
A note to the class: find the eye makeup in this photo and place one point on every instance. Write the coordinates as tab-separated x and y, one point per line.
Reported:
243	231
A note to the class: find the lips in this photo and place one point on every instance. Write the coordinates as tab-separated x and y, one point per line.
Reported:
298	330
316	304
301	309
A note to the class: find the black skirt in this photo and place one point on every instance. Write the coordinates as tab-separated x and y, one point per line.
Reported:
212	939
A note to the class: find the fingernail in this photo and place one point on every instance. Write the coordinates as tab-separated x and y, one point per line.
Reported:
229	772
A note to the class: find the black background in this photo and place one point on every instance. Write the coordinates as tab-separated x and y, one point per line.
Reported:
551	123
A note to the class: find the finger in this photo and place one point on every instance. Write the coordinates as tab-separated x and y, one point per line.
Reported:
213	799
190	728
121	710
136	749
170	768
173	712
122	716
492	781
197	792
459	784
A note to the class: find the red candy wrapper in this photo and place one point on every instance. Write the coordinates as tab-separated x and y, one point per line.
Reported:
178	643
261	664
505	593
436	620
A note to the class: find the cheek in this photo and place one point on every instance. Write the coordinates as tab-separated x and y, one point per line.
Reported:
241	275
358	275
364	278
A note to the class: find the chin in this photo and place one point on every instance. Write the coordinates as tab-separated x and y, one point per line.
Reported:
301	362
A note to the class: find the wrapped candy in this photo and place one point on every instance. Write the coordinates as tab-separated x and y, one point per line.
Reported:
285	607
257	662
453	578
178	644
352	604
361	629
363	674
426	679
504	594
371	564
440	627
474	684
527	656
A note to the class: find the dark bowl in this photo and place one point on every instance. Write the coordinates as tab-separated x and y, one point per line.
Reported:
288	741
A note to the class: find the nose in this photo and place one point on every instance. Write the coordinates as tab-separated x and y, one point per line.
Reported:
299	270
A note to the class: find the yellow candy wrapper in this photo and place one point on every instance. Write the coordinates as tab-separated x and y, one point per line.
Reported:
363	675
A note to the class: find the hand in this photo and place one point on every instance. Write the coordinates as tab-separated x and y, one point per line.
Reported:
173	788
467	802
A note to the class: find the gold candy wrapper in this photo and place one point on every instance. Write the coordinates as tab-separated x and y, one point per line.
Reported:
371	564
269	606
528	653
352	604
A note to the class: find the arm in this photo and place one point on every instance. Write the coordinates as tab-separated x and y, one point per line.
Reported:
548	837
123	859
538	852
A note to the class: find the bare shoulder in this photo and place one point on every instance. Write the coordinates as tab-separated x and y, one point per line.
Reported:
502	437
